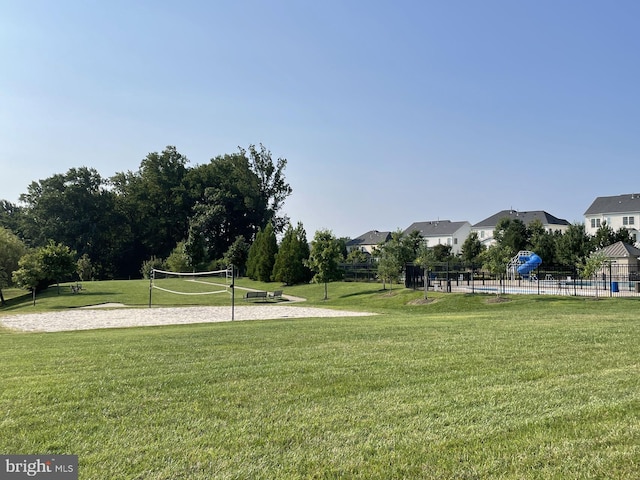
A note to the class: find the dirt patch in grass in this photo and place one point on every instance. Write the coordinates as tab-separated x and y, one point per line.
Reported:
422	301
498	300
388	293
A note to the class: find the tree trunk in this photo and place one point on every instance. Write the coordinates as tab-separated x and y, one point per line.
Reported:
426	283
325	291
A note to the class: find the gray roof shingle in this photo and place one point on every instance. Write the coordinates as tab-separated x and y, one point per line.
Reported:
372	237
627	203
526	218
436	228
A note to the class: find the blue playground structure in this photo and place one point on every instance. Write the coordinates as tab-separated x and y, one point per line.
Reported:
523	264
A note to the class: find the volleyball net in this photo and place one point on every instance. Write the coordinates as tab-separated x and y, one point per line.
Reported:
215	282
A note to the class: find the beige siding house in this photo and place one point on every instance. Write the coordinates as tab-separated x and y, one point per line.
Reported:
485	228
368	241
442	232
621	211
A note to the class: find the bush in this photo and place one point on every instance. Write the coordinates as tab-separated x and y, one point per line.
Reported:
150	264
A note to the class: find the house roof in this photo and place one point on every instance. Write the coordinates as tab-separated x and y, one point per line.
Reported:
621	250
629	202
372	237
435	228
526	218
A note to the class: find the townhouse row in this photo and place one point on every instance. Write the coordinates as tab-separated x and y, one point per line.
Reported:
621	211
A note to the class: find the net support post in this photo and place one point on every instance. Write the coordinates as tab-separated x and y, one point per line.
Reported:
151	275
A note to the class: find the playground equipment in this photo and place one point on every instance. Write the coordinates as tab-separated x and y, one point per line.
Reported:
523	264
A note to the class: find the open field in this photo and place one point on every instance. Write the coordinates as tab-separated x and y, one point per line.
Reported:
536	387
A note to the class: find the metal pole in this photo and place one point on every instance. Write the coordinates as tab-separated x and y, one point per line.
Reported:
151	285
233	292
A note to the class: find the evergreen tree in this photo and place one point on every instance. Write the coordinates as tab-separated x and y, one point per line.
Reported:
604	236
252	256
262	255
472	248
237	255
289	266
178	260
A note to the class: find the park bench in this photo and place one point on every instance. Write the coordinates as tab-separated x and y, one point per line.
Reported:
255	295
276	295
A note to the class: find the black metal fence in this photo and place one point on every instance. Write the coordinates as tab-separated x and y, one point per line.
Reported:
359	272
613	280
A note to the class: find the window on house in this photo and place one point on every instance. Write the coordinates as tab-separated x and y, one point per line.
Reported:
632	221
448	241
455	241
482	234
593	223
625	220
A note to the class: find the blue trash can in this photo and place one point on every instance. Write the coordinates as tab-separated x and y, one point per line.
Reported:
614	287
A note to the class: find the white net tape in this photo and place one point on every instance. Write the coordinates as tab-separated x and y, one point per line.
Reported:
212	278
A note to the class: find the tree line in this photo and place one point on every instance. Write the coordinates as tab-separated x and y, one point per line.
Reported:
116	224
170	215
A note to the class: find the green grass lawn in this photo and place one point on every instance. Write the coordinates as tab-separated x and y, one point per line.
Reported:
536	387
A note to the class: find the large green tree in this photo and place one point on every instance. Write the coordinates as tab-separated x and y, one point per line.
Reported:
236	194
156	203
512	234
542	242
11	217
274	188
604	236
45	266
229	206
472	248
574	246
76	209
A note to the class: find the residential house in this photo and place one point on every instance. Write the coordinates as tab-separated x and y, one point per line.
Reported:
442	232
621	211
485	228
368	241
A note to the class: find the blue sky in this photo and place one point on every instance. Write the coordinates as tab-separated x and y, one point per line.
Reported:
387	112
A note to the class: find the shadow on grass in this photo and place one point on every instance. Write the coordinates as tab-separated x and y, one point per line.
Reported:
82	299
17	301
364	292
